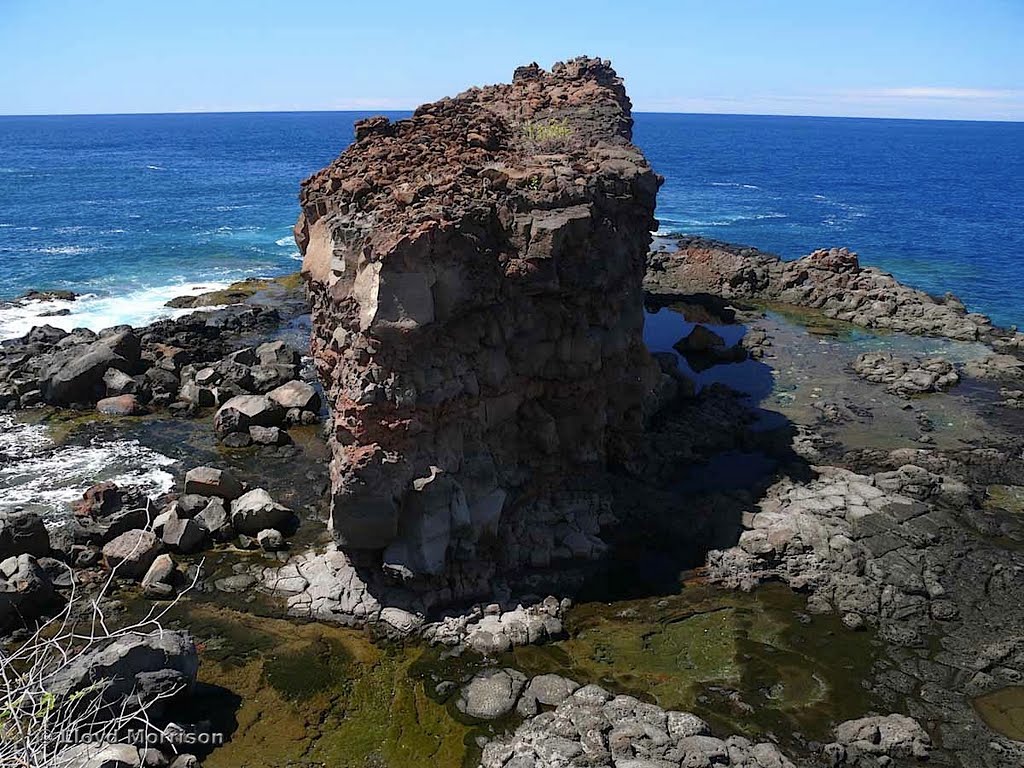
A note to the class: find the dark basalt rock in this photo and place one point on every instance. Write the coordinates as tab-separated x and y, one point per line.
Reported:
475	276
23	533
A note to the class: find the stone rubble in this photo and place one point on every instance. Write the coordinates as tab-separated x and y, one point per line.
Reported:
906	378
591	727
129	370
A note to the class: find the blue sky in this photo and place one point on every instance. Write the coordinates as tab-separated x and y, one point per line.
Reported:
891	58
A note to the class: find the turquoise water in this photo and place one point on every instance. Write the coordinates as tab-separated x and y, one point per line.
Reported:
134	209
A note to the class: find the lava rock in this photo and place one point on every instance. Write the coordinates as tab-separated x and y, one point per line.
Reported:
491	694
256	510
240	413
210	481
22	533
132	553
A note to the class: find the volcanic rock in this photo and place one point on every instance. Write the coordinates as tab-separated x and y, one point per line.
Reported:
591	727
240	413
120	405
22	533
491	694
127	666
270	540
214	518
183	534
475	276
296	394
862	742
830	280
25	590
132	552
256	510
209	481
75	375
906	378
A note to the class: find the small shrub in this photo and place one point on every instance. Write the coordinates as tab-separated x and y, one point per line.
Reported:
547	134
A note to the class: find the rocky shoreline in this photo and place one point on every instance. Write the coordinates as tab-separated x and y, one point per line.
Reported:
510	448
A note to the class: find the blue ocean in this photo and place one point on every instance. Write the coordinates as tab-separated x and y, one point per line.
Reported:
131	210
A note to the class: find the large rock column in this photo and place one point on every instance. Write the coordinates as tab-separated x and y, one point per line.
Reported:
475	275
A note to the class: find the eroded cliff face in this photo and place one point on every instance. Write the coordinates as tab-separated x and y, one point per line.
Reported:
475	275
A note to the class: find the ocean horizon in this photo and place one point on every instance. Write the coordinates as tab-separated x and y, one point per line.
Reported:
408	112
131	210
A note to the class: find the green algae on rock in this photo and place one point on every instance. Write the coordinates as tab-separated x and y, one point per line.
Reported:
238	293
309	694
1009	498
752	664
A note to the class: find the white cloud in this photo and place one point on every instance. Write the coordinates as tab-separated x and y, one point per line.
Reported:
937	92
926	102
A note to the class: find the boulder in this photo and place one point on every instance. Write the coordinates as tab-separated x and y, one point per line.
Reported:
22	533
99	500
120	405
190	504
266	378
183	534
131	553
119	383
545	690
163	383
215	520
256	510
25	590
129	662
209	481
701	340
296	394
45	335
75	375
400	622
123	342
162	569
491	694
270	540
269	436
278	353
889	736
161	572
91	755
244	411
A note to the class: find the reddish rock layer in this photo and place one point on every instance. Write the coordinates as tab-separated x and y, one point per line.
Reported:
475	275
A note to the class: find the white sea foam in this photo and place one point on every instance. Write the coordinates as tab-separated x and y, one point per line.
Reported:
736	184
43	477
138	307
65	250
723	221
155	168
288	241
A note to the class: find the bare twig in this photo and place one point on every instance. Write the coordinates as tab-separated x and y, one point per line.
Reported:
38	727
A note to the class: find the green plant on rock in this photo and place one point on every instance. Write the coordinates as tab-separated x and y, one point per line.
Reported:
547	134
